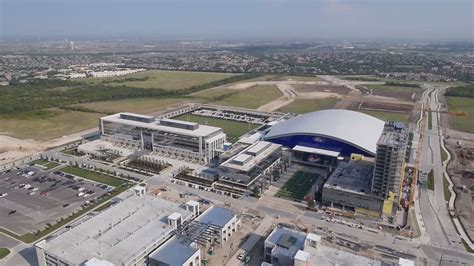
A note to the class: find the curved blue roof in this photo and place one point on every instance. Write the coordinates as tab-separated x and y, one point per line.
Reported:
354	128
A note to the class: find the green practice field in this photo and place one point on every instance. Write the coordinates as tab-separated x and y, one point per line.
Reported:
168	80
94	176
301	106
252	98
387	116
233	129
297	186
459	104
52	123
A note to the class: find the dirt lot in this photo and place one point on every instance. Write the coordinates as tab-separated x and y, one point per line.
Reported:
461	170
387	106
321	88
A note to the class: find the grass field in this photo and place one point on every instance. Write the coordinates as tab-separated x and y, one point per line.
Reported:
4	252
398	92
297	186
458	104
301	106
137	105
298	78
45	163
56	124
387	116
97	177
214	93
252	98
233	129
168	80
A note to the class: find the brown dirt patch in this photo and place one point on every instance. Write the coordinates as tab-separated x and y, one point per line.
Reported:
321	88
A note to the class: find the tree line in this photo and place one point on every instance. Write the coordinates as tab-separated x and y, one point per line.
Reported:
461	91
43	94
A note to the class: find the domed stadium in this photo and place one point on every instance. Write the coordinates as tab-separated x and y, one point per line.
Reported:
333	131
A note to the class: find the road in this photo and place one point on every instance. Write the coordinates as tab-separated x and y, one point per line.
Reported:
433	206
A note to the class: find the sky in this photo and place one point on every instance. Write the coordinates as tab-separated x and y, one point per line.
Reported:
238	19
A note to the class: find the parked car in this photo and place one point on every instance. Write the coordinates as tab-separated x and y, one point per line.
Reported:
3	195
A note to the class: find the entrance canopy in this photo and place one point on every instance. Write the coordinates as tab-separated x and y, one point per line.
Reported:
316	151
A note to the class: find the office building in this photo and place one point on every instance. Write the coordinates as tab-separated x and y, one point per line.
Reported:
173	138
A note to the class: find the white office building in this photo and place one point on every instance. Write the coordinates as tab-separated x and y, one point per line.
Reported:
168	137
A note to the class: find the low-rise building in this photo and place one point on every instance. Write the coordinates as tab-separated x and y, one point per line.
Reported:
123	234
245	170
288	247
348	187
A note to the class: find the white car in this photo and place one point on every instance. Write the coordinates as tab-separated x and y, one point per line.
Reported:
241	256
31	193
3	195
35	189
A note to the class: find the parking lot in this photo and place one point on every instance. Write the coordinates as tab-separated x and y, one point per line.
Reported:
31	197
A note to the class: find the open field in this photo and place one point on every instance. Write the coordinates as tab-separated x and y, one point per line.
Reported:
137	105
297	186
321	88
298	78
397	92
252	97
215	93
388	116
94	176
458	104
56	123
233	129
157	79
301	106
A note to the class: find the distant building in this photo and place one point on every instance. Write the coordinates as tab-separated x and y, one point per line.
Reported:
168	137
390	159
113	73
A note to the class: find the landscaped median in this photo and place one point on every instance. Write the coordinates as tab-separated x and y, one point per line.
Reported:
45	163
119	185
4	252
93	176
431	180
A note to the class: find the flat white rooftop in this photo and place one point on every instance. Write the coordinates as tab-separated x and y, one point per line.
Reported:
246	159
200	131
118	234
324	255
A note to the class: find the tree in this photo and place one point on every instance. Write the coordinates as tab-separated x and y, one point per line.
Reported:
256	192
311	204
